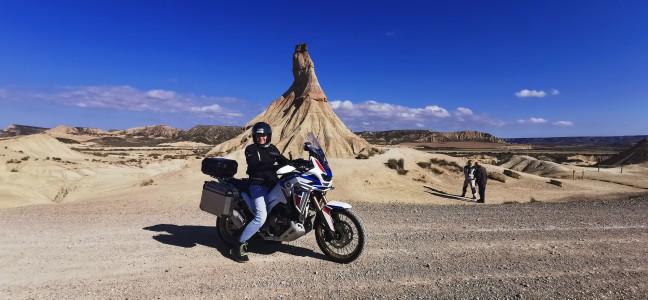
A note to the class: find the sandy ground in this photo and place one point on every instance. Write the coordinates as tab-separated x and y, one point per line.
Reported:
78	228
146	245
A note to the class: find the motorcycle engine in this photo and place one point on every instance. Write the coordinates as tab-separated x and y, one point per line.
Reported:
277	222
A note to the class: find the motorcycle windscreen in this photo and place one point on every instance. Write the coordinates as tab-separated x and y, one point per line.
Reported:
318	152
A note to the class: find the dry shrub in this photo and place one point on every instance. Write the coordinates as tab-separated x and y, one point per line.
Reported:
453	166
424	165
437	170
14	170
146	182
25	158
371	152
512	174
392	163
497	176
398	165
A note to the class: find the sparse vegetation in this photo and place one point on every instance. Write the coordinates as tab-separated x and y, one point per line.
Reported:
437	170
371	152
512	174
14	170
555	182
56	158
424	164
14	161
146	182
453	166
497	176
67	141
25	158
398	165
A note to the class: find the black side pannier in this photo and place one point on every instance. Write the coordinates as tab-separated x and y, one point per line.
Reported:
219	167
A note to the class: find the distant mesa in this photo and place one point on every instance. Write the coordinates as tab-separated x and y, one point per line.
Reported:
301	109
635	155
395	137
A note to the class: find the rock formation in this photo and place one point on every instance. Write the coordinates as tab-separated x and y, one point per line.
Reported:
301	109
635	155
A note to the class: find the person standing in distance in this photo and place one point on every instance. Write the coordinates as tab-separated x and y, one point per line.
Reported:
481	176
469	179
261	157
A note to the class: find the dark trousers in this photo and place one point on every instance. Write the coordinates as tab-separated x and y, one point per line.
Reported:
468	182
482	191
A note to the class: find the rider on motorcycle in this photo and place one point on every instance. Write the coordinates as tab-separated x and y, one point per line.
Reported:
261	157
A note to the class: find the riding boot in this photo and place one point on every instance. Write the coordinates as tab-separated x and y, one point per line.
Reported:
239	252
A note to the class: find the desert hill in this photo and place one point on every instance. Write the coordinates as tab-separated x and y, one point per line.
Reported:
394	137
301	109
635	155
532	165
146	135
589	141
16	130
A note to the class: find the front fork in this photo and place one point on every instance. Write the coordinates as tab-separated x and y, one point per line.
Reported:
324	213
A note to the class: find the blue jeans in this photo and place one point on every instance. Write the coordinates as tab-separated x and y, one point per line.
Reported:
258	194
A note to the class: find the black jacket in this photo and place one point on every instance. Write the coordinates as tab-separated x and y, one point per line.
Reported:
261	164
481	176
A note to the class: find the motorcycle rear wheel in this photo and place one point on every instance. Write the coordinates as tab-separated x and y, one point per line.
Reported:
226	230
348	241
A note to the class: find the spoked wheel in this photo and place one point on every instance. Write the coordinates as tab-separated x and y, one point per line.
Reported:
226	230
348	240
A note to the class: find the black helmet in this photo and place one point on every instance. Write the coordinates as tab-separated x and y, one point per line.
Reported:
262	128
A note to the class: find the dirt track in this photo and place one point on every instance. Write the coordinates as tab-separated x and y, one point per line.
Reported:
157	249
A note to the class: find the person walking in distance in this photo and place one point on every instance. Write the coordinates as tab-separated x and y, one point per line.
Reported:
481	176
469	179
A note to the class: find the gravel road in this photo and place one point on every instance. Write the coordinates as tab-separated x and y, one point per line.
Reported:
164	249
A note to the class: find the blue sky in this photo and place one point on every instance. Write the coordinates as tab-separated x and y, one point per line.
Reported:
510	68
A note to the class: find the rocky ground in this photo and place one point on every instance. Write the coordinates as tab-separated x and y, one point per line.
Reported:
167	248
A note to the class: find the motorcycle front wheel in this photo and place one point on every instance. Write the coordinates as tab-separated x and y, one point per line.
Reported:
226	230
348	240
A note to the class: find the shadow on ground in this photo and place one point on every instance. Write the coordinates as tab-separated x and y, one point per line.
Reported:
443	194
188	236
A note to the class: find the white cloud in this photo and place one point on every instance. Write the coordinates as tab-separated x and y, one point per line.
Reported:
161	94
533	121
462	111
564	123
132	99
555	92
374	115
530	93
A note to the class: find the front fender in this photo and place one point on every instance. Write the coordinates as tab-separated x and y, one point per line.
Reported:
338	205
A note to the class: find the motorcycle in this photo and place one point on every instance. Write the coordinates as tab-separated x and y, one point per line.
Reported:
296	205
